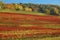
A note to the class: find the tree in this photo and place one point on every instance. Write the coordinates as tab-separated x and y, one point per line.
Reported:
54	11
1	4
28	9
47	11
41	10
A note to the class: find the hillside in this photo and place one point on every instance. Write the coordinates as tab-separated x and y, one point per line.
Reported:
47	9
27	21
27	26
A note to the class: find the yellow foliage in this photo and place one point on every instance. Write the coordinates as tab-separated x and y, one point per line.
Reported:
56	10
28	9
20	7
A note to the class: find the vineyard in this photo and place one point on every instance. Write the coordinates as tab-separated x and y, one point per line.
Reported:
23	26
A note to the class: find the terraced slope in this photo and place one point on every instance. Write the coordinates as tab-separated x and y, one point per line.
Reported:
25	25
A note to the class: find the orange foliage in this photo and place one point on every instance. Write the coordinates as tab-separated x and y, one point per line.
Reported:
9	6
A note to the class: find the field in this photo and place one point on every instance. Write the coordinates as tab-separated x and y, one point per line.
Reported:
21	12
17	26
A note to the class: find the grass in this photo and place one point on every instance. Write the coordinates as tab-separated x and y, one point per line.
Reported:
22	12
32	38
50	25
53	38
